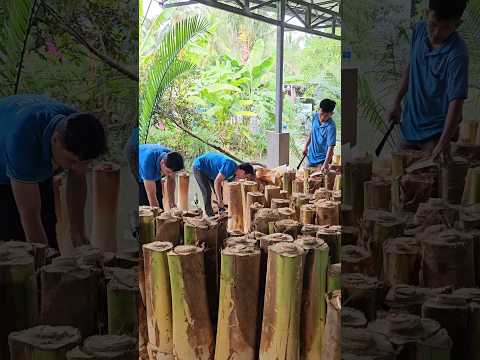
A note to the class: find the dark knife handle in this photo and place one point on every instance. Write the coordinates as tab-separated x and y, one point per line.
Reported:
380	146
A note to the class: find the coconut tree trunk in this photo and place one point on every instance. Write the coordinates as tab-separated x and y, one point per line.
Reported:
192	329
237	321
286	213
330	180
403	159
333	237
147	226
168	229
332	337
452	180
337	185
284	194
437	347
290	227
356	173
183	183
308	214
327	213
271	192
106	347
288	178
248	187
18	294
297	186
106	190
263	217
363	293
280	203
158	298
283	301
298	200
356	259
313	312
235	208
334	277
471	194
401	257
248	217
378	194
43	342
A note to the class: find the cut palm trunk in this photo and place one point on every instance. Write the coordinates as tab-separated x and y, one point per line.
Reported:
18	294
471	194
436	211
332	337
356	173
350	235
283	301
290	227
403	159
246	187
298	200
166	195
280	203
61	211
122	302
271	192
297	186
327	213
263	217
308	214
106	347
330	179
168	229
254	208
192	329
238	315
183	183
363	293
241	240
284	194
438	347
323	194
38	251
337	185
333	237
353	318
468	131
286	213
472	296
452	180
147	226
158	298
316	183
414	190
288	178
43	343
377	194
235	208
310	230
251	197
63	283
334	277
409	299
452	312
313	312
106	190
401	261
356	259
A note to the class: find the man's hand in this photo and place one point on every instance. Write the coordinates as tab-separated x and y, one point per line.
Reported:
441	153
305	150
395	114
325	168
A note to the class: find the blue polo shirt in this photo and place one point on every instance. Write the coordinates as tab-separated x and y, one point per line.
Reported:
149	157
437	77
27	123
322	137
213	164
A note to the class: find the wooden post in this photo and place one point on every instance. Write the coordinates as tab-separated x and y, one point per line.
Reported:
333	237
147	226
297	186
471	194
183	183
271	192
330	180
297	201
235	208
401	257
452	180
192	329
103	347
361	292
334	277
43	342
356	173
263	217
254	208
337	185
327	213
168	229
237	321
313	312
122	299
281	317
158	298
355	259
106	189
308	214
288	178
249	187
280	203
377	194
18	294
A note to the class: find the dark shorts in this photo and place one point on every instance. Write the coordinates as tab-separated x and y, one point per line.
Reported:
10	224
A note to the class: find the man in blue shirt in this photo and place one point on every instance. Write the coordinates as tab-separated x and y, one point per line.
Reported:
435	83
211	169
154	161
321	142
40	136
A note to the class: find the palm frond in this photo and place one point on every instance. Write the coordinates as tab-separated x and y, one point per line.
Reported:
167	67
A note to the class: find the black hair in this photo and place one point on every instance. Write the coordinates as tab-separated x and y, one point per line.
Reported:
83	135
174	161
447	9
248	168
327	105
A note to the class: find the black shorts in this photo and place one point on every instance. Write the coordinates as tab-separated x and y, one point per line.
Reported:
10	224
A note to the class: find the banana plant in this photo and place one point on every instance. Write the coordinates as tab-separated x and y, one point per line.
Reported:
13	42
167	66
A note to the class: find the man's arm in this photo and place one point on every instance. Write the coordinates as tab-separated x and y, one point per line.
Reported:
171	190
151	189
305	149
452	121
328	158
396	113
29	204
218	190
76	192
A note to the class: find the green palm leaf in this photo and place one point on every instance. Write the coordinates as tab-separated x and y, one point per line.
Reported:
167	67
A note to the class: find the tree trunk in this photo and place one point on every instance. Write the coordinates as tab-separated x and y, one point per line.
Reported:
168	229
363	293
297	201
122	302
313	312
106	190
235	208
183	183
350	235
166	195
297	186
38	251
403	159
308	214
310	230
437	347
332	336
263	217
280	203
18	294
401	257
468	131
250	195
238	314
283	301
63	283
356	173
452	180
147	226
158	298
290	227
192	329
271	192
106	347
316	183
337	185
288	178
327	213
333	237
377	194
43	342
471	194
284	194
355	259
334	277
323	194
241	240
330	180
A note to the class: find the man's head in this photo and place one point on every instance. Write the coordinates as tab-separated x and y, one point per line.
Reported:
78	139
443	18
171	163
245	171
327	108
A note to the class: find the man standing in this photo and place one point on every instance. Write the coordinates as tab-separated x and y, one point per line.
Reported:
155	161
40	137
322	139
435	81
211	169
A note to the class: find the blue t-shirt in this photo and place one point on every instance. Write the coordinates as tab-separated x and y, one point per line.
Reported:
322	137
149	157
212	164
437	77
27	123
